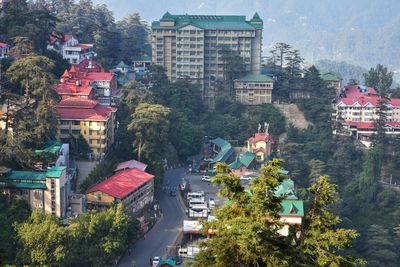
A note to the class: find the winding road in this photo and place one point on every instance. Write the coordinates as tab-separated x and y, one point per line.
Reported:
166	230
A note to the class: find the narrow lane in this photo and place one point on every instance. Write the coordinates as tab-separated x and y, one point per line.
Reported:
165	231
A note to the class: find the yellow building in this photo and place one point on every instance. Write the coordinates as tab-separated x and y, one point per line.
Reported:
261	145
254	89
133	187
95	122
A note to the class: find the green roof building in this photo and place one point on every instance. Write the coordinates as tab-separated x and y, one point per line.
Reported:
332	79
254	89
47	190
222	149
192	45
243	162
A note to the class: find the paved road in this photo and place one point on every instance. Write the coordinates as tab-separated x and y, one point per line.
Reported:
164	233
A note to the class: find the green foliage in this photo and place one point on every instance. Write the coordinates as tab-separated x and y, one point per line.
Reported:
150	124
246	229
321	240
12	211
94	239
348	71
379	78
380	247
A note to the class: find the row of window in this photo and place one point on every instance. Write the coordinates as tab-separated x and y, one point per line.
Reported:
257	92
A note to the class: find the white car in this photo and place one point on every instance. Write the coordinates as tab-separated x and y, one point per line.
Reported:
206	178
156	261
245	177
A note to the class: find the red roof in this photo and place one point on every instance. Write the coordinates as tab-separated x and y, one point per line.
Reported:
370	125
122	183
3	44
54	38
83	109
261	137
99	76
355	97
88	65
73	89
131	164
83	46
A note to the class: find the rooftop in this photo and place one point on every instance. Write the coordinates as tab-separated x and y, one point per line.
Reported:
225	152
329	76
261	137
255	78
83	109
51	147
291	207
209	22
130	164
243	160
122	183
362	96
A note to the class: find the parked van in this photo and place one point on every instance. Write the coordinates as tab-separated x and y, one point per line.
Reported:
198	194
196	201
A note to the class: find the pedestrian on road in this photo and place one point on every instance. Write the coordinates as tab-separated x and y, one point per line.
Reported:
151	261
144	236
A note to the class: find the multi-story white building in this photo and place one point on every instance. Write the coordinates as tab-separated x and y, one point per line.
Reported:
44	190
70	48
195	46
357	111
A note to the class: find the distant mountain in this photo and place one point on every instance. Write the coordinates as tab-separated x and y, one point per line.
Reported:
359	32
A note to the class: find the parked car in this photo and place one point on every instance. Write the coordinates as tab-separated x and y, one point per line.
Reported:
155	261
178	260
206	178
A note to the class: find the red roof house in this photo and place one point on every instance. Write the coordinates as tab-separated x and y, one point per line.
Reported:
131	187
83	109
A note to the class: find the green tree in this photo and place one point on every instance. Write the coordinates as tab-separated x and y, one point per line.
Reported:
150	125
317	168
43	240
33	74
247	228
46	122
379	78
380	248
321	240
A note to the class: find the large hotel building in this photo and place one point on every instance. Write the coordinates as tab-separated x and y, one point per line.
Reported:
191	46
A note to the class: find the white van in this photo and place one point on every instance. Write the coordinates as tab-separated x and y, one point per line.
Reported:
198	194
196	201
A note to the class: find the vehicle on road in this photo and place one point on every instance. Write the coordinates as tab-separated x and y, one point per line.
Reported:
197	194
196	201
198	211
246	177
206	178
172	193
156	261
178	260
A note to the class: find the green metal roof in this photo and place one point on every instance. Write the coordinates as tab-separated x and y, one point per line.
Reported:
26	175
329	76
225	152
255	78
26	185
221	142
51	147
290	207
242	160
55	172
122	65
286	189
207	22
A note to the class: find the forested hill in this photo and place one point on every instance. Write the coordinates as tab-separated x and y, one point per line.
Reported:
359	32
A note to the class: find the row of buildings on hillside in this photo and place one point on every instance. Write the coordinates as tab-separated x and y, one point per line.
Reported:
199	46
